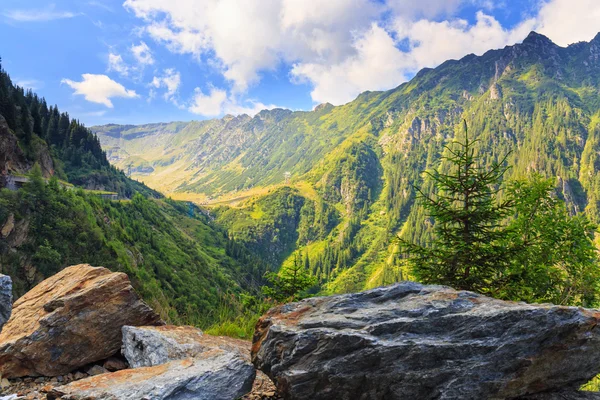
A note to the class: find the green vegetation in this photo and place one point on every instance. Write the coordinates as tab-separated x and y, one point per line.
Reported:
60	145
291	282
181	264
542	254
357	165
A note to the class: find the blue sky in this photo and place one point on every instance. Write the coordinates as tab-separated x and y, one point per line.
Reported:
140	61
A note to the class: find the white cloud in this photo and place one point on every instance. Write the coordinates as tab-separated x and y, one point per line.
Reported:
99	89
171	80
376	65
116	63
38	15
343	47
569	21
216	103
210	105
142	54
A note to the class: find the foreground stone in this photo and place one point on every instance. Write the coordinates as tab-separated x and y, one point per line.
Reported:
69	320
5	299
410	341
213	375
154	345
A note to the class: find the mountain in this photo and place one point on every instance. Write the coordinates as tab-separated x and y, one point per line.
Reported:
73	207
355	166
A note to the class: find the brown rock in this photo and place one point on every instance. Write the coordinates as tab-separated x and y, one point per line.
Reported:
69	320
96	370
115	364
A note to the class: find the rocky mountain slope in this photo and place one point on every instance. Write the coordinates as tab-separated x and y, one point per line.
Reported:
356	165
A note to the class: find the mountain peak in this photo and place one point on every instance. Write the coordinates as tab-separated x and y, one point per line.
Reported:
535	38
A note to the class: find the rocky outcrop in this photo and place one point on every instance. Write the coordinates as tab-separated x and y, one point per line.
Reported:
150	346
5	299
12	158
69	320
411	341
154	345
212	375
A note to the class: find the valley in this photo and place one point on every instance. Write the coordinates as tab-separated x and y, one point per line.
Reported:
355	166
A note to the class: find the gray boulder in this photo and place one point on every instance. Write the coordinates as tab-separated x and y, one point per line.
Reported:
147	346
412	341
5	299
215	375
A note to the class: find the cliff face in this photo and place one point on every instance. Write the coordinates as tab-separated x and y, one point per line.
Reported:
12	159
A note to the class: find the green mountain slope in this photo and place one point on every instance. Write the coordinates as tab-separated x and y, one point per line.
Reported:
359	162
179	260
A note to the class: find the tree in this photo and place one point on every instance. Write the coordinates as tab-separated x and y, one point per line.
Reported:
290	282
466	252
554	257
523	247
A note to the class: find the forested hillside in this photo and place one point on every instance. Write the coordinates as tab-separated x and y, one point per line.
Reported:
183	264
356	165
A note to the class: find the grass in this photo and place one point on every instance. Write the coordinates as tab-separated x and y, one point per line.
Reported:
241	327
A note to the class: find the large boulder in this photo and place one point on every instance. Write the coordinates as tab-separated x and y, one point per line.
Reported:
69	320
5	299
212	375
148	346
411	341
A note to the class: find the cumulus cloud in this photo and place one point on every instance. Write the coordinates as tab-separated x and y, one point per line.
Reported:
342	47
171	80
211	104
569	21
116	63
142	54
217	102
99	89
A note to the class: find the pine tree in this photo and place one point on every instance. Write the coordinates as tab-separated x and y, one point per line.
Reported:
291	281
466	252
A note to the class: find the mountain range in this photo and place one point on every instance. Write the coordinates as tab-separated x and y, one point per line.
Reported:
337	183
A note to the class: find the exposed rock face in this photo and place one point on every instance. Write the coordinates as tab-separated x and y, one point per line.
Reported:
69	320
12	158
213	375
149	346
5	299
411	341
154	345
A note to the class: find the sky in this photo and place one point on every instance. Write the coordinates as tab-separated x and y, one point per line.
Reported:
143	61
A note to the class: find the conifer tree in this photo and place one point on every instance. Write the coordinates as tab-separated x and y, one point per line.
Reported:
290	282
466	251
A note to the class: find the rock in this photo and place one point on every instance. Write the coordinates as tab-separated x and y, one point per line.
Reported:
154	345
115	364
95	370
79	375
8	226
213	375
70	320
411	341
5	299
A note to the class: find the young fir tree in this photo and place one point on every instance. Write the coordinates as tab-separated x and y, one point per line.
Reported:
467	250
291	281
